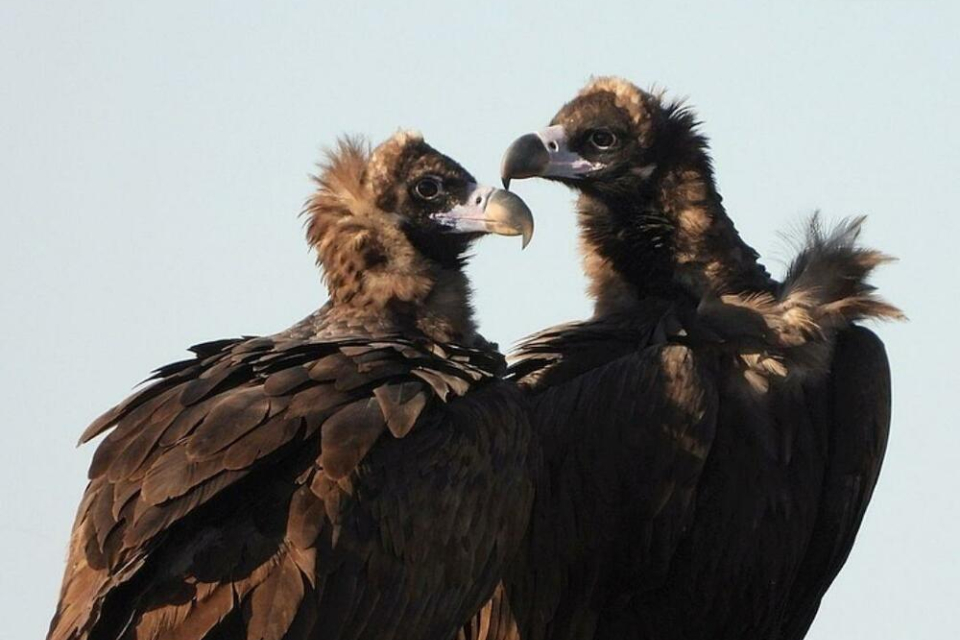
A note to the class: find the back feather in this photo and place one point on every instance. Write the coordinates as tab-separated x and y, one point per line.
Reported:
825	290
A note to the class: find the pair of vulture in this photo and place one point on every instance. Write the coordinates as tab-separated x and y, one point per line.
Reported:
692	462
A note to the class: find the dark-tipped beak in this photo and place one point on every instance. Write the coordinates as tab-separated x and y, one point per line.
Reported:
526	157
490	210
545	154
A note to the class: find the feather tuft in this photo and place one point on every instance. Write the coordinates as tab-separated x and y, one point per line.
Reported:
826	290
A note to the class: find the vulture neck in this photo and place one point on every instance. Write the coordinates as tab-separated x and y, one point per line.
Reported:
434	303
666	236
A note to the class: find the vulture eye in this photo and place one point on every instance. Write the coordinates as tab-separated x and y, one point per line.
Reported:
428	188
603	139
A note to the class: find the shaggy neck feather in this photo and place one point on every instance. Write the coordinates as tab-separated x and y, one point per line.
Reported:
666	235
434	302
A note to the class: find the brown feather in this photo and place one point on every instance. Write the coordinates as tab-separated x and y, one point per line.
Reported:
286	380
348	434
401	405
175	474
184	424
229	420
306	518
270	609
260	442
204	614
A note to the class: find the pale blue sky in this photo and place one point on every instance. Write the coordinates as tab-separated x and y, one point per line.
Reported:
154	161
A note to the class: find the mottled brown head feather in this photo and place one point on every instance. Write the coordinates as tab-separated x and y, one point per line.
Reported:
643	107
354	239
386	158
370	265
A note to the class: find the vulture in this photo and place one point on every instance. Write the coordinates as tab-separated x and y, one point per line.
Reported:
711	436
362	474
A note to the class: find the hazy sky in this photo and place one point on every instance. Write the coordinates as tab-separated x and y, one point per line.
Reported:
154	161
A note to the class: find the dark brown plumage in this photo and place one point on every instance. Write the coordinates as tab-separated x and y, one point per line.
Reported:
711	436
363	474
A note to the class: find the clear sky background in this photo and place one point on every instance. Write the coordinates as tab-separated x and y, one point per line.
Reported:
154	158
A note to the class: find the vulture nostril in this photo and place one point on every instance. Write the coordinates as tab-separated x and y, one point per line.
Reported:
553	146
479	199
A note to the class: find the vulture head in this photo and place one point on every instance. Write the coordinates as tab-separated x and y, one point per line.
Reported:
652	220
605	139
391	227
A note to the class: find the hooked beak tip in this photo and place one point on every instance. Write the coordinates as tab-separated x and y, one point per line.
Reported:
526	157
507	214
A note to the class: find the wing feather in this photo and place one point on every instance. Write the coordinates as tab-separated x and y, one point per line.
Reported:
224	499
271	608
626	422
860	395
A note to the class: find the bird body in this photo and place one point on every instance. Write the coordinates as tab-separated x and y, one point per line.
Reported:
363	474
684	503
711	436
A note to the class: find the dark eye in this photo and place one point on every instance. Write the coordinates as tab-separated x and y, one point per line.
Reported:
603	139
428	188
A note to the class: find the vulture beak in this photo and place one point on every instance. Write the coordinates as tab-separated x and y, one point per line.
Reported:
489	210
544	154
